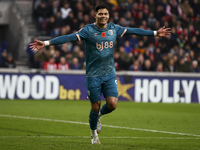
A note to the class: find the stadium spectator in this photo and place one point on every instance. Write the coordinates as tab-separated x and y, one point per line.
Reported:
65	10
186	8
128	18
69	58
42	56
140	18
117	60
76	50
9	63
63	64
195	67
133	40
66	48
157	55
42	13
75	65
81	58
54	7
69	19
135	66
51	25
57	56
135	52
195	4
146	10
135	10
52	50
116	17
192	55
197	48
170	66
55	32
3	59
147	65
159	12
173	8
159	67
126	59
152	5
3	46
58	19
127	47
50	64
151	20
141	59
183	66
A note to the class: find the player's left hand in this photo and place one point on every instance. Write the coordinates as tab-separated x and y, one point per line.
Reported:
164	32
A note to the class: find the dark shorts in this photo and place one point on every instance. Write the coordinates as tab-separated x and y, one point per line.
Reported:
98	85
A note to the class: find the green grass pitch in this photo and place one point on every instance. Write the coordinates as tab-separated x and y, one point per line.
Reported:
63	125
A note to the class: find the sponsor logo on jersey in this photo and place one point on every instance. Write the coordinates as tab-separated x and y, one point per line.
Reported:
106	45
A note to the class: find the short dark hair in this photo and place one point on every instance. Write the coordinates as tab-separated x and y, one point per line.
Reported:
102	6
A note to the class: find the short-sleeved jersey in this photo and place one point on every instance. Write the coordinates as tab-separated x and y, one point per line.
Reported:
99	48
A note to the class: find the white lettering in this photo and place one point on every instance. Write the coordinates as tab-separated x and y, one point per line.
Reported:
8	86
155	91
198	90
166	98
37	87
141	90
23	87
176	90
188	88
52	87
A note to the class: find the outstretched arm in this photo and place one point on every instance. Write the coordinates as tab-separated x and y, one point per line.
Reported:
59	40
162	32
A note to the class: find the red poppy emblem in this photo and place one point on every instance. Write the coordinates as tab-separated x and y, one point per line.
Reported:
103	34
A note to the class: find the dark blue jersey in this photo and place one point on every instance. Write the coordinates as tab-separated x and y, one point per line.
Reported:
99	48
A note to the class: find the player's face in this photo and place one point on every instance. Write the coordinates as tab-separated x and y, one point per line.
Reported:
102	16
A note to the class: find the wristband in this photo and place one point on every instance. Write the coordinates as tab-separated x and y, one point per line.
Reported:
155	33
46	43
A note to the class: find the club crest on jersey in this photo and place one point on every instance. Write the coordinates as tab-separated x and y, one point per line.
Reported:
103	34
110	32
88	92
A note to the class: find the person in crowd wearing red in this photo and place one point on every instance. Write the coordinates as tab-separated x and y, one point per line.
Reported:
50	65
63	64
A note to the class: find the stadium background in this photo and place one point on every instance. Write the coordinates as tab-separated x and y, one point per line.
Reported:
45	107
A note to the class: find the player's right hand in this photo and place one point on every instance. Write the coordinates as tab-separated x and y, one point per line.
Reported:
36	45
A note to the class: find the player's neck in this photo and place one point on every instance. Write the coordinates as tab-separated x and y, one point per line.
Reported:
101	26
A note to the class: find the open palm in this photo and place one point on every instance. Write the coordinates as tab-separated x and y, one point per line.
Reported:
36	45
164	32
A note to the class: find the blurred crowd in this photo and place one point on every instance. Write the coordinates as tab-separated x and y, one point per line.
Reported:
180	53
6	59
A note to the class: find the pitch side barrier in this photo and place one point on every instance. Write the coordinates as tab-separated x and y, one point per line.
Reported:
145	87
